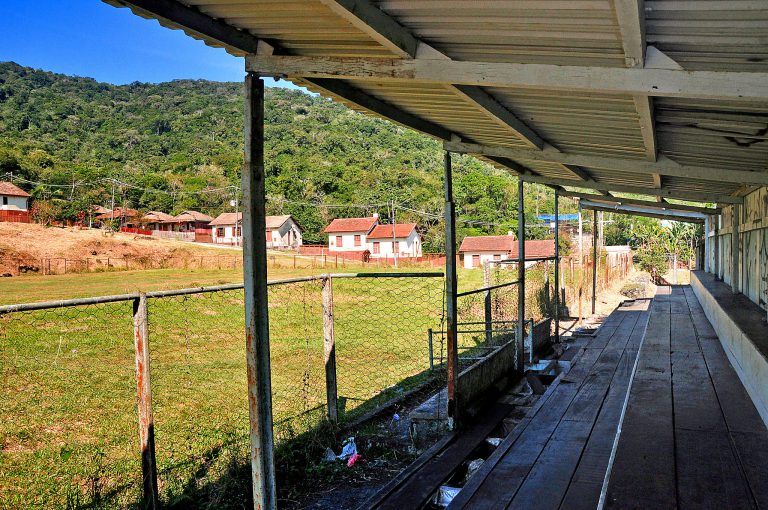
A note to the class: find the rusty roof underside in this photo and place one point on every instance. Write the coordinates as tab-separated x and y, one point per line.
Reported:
663	98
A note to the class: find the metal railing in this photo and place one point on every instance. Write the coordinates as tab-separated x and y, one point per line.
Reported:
342	346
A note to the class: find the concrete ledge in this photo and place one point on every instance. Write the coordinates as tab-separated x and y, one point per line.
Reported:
742	331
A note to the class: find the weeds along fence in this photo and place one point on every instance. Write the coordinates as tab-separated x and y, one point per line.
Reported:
576	278
73	371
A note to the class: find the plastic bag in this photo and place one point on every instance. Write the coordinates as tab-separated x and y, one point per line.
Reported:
349	448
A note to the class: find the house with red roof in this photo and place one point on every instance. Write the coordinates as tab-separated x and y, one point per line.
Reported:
14	203
350	234
402	240
477	250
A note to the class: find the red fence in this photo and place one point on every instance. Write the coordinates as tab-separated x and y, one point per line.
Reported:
15	216
133	230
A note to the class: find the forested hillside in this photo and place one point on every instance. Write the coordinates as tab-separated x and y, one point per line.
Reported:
174	146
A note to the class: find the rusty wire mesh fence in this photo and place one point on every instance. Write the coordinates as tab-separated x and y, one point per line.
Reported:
69	420
68	415
488	316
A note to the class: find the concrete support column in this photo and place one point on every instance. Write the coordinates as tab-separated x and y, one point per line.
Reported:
705	264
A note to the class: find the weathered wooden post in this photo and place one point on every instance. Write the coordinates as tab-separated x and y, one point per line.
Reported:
521	273
487	303
144	400
329	348
716	269
256	299
451	286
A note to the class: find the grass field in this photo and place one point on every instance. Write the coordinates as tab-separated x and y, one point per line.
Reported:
69	426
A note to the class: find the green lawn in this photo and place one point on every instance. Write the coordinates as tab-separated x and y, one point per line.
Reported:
68	425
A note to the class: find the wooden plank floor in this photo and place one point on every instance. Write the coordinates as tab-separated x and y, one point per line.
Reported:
691	437
558	456
669	426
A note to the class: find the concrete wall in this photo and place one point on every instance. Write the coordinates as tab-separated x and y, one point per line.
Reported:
409	247
13	202
485	256
748	361
347	241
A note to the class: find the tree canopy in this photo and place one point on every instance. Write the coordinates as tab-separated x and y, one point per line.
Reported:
174	146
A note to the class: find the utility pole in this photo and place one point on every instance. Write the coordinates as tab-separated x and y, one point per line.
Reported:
238	232
394	236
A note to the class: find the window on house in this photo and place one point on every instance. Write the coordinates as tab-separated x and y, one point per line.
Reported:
339	242
376	247
357	240
497	256
397	247
238	231
220	232
475	260
5	200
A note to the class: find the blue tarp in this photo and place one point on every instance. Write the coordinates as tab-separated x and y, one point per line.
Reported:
563	217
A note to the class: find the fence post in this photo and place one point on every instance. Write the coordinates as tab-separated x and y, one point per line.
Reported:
431	350
329	343
521	274
529	339
144	400
488	313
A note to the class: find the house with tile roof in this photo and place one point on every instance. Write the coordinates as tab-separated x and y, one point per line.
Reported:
477	250
350	234
14	203
282	231
402	240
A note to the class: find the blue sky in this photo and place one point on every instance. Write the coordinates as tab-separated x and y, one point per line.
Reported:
91	38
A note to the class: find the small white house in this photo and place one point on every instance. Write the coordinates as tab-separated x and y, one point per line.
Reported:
384	241
13	198
350	234
477	250
282	231
14	203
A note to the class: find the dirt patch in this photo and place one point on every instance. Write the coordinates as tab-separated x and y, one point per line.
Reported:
31	248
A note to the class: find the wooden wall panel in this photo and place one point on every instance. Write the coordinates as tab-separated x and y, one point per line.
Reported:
751	262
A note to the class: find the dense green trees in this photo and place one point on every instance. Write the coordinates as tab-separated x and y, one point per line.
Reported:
178	145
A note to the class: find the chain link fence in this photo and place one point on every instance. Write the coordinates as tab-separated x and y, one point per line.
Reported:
69	420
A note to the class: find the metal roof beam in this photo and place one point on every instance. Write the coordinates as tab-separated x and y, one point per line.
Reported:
664	165
635	201
716	85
